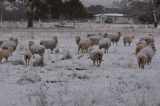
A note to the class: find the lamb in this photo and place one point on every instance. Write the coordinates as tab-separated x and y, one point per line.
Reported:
96	55
36	49
142	60
105	43
84	45
5	54
115	37
128	39
50	44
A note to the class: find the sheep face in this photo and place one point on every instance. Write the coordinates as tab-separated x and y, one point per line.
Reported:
31	43
42	42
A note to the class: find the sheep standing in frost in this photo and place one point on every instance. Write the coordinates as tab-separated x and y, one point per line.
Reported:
105	43
149	51
36	49
50	44
95	39
146	54
128	39
27	57
140	45
84	45
115	37
5	53
10	44
142	60
96	55
149	39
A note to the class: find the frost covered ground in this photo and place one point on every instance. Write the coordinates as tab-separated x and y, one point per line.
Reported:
76	82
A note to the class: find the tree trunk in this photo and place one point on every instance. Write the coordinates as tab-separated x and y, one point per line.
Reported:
30	22
155	19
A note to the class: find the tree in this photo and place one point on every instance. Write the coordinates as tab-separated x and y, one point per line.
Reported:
96	9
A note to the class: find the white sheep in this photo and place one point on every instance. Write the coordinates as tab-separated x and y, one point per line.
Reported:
149	51
96	55
115	37
105	43
10	44
27	57
36	49
50	44
128	39
84	45
149	39
95	39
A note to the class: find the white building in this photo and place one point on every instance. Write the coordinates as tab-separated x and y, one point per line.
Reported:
114	18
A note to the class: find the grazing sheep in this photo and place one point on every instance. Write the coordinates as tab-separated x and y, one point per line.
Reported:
50	44
95	39
149	51
96	55
27	57
140	45
149	39
77	39
36	49
84	45
128	39
105	43
142	60
5	53
115	37
10	44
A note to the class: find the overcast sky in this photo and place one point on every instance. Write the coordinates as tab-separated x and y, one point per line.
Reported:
106	3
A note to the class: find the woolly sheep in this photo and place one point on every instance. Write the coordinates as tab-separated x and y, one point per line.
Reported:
149	51
5	53
128	39
84	45
115	37
105	43
142	60
96	39
96	55
149	39
10	44
50	44
27	57
36	49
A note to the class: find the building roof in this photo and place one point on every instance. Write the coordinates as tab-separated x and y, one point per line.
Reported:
110	14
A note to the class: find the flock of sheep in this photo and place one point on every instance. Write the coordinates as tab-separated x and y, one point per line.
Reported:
145	48
92	44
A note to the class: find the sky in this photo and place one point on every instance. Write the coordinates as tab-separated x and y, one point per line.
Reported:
105	3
